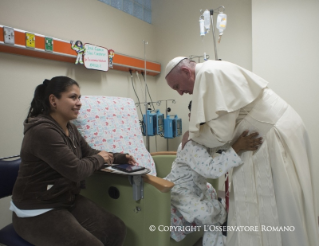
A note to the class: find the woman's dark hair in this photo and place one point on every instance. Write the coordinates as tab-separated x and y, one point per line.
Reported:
190	106
40	103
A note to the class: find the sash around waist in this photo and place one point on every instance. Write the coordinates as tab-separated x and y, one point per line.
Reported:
263	116
269	108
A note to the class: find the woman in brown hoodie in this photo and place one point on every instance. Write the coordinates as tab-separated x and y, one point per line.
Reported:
55	160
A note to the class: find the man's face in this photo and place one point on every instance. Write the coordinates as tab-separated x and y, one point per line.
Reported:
181	82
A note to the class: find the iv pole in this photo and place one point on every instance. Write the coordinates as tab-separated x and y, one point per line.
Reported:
213	32
146	105
213	28
203	33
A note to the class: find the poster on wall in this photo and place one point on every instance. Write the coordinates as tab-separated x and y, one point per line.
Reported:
96	57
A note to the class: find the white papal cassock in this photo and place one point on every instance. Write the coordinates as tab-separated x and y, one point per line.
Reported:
272	192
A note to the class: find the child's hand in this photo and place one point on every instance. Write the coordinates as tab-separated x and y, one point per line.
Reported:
247	142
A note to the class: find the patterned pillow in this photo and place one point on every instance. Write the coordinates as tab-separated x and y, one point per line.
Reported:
112	124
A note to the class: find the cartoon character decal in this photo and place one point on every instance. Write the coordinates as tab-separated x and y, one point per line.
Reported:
111	55
79	48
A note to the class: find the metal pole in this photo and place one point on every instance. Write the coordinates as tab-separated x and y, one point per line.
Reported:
146	105
166	118
213	32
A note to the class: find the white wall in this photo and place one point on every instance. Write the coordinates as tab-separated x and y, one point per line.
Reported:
177	34
285	49
88	20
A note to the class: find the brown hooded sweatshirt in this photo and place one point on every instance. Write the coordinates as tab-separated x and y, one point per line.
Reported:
53	165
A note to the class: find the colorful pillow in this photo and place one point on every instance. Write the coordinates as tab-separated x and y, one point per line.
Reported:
112	124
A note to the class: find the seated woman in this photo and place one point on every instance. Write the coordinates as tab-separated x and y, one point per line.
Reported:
55	160
195	198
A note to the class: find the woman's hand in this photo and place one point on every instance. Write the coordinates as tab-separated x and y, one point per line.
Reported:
247	142
130	160
108	157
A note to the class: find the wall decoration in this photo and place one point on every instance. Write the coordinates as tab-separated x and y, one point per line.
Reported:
13	41
48	44
79	48
8	33
96	57
111	55
30	40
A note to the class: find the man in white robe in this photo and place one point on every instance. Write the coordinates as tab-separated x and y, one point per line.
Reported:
273	190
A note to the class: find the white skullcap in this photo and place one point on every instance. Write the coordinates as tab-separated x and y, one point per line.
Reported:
173	63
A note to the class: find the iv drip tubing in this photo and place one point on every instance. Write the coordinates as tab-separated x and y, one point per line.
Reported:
215	10
141	84
138	99
142	124
148	92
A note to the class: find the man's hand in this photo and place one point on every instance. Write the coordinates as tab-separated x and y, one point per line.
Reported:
247	142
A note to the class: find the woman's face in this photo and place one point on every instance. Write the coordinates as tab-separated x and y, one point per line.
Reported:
69	104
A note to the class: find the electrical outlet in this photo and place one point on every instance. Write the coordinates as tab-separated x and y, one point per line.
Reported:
30	40
48	44
8	33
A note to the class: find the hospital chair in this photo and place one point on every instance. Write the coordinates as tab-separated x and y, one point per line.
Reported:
111	124
9	168
163	158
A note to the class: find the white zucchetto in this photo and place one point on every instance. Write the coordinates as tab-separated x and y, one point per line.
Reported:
173	63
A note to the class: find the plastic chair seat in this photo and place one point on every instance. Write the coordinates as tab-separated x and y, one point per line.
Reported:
8	175
9	237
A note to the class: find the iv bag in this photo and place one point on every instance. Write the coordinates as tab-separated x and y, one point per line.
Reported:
201	27
221	22
206	15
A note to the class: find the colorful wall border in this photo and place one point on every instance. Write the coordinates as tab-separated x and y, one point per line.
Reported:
62	52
